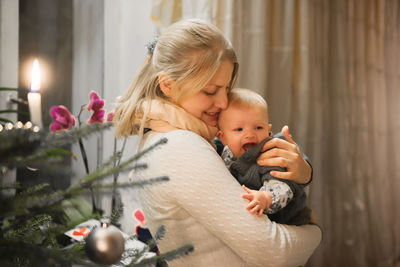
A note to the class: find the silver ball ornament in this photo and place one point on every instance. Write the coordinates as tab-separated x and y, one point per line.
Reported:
105	244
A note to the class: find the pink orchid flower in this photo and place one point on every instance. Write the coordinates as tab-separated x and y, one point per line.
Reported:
96	104
62	118
97	117
110	116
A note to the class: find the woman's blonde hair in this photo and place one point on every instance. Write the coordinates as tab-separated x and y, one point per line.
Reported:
189	52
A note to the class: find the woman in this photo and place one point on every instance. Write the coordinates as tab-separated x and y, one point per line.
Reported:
178	94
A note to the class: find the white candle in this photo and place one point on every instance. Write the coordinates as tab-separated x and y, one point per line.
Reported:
34	98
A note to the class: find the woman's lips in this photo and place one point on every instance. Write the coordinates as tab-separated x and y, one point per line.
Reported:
213	115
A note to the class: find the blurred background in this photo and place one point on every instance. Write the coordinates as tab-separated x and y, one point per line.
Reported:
330	69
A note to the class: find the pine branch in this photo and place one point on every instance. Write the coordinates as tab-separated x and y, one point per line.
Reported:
11	186
117	161
36	189
24	90
27	206
168	256
73	135
22	147
30	254
55	152
99	174
4	120
14	111
108	163
29	230
46	200
116	214
133	254
46	164
32	220
157	237
160	233
26	203
18	143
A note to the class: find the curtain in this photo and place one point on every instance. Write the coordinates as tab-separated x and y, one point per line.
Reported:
331	71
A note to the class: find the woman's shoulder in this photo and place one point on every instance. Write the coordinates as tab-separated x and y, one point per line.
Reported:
182	138
183	145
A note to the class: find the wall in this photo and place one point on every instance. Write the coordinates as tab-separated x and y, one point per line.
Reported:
127	28
8	61
45	33
109	46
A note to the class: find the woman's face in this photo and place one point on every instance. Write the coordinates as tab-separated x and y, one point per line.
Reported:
208	103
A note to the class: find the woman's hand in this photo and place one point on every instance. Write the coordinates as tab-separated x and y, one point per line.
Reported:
285	154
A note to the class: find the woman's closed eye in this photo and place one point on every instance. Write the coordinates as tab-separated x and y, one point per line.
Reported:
213	90
210	92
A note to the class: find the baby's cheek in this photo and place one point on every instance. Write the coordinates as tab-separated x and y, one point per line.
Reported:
237	151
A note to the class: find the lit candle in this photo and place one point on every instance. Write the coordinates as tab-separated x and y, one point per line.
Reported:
34	98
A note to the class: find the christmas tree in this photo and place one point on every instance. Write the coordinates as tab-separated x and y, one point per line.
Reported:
33	219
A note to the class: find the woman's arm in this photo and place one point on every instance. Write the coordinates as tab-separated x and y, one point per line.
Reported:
201	184
286	154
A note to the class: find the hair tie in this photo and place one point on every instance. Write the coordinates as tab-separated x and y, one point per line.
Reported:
152	45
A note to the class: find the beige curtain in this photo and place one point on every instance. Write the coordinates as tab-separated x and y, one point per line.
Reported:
165	12
330	69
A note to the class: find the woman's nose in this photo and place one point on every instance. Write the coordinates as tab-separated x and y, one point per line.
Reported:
221	100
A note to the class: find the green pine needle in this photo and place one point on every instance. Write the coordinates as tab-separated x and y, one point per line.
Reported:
33	220
168	256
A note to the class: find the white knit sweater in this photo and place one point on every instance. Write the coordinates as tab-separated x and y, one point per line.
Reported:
202	205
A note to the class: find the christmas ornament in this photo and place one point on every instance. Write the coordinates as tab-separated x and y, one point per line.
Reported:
105	244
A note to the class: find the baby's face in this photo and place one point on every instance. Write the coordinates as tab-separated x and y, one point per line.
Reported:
243	127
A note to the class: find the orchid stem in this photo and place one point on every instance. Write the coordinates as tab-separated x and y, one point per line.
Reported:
116	174
85	160
84	156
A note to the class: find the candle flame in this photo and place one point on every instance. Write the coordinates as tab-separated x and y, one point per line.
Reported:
35	82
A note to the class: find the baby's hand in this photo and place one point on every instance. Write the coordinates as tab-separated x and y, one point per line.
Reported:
259	201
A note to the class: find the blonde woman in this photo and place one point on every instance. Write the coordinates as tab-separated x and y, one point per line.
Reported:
178	94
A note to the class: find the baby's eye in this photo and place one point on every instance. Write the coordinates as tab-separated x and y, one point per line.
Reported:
260	127
238	129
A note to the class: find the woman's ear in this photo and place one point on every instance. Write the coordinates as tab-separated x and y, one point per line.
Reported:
165	83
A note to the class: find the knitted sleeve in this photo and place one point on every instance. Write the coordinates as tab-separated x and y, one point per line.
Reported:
202	185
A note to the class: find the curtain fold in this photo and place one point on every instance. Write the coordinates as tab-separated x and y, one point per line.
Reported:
331	71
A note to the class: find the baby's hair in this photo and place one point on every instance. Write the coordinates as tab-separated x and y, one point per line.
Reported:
242	97
189	52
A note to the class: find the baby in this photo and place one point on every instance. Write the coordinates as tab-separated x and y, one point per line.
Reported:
243	130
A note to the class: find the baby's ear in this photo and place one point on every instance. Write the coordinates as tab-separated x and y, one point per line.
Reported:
165	83
220	135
